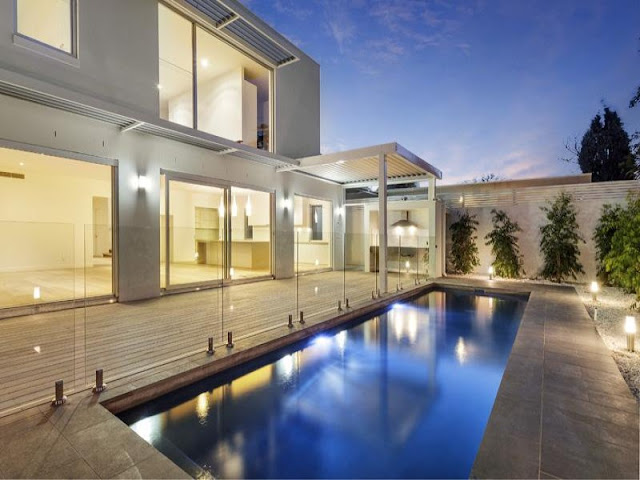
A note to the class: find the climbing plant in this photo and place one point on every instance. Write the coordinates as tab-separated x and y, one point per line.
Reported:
559	240
622	261
504	245
607	226
463	256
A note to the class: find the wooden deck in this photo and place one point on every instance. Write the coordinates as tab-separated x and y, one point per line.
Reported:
125	339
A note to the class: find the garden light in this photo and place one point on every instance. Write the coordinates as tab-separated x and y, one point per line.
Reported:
594	291
490	273
630	330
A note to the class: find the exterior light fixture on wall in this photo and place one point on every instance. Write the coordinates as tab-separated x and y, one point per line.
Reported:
339	211
36	293
595	288
141	183
159	86
221	207
248	209
630	330
491	273
234	207
286	203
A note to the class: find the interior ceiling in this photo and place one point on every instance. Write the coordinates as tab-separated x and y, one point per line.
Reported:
49	166
210	189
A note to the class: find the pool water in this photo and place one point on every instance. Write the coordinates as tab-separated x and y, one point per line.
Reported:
405	394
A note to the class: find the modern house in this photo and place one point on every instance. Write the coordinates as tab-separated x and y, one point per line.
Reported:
158	146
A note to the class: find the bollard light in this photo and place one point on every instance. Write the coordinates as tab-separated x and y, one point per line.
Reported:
595	288
301	317
491	272
630	330
229	339
346	303
100	386
59	398
339	306
210	349
290	324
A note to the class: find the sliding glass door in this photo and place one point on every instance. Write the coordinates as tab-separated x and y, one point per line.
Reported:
210	233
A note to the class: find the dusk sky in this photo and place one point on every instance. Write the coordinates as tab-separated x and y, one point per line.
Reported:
473	86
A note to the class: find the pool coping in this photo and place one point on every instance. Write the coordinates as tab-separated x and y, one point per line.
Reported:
563	409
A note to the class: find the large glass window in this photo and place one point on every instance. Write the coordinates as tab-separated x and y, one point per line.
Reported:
193	247
48	21
233	91
56	236
250	233
175	67
312	222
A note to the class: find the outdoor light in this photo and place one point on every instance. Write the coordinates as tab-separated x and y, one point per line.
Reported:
407	264
36	293
461	198
491	273
159	86
630	330
248	210
221	208
141	183
204	62
317	262
231	271
234	207
412	230
286	203
339	210
594	291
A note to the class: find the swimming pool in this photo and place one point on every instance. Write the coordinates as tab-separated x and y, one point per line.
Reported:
404	394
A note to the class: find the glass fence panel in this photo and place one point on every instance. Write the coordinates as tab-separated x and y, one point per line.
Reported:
360	269
40	266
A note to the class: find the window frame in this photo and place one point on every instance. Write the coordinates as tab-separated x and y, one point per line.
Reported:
43	47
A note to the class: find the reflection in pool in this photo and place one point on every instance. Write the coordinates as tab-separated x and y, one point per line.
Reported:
405	394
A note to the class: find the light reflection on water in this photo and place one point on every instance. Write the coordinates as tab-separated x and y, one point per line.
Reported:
404	394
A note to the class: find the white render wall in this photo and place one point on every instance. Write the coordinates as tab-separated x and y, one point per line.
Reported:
530	218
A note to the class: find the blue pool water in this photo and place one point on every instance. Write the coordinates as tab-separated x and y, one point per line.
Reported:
405	394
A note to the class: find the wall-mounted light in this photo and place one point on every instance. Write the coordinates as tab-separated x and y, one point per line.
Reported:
286	203
141	183
36	293
248	209
159	86
339	211
595	288
491	270
630	330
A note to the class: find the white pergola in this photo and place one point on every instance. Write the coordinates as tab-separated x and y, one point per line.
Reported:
378	165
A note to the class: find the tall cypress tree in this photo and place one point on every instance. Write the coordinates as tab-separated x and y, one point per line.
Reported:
605	150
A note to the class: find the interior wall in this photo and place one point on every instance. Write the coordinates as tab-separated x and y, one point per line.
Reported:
47	219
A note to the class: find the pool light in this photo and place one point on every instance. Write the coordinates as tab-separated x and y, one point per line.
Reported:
630	330
595	288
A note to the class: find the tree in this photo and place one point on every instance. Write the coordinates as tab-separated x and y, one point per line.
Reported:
486	178
607	226
622	261
559	240
464	251
504	245
605	149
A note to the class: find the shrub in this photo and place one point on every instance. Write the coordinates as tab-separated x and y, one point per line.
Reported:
603	236
622	261
464	251
504	245
559	240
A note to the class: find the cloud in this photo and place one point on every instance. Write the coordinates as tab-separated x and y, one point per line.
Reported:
297	9
338	23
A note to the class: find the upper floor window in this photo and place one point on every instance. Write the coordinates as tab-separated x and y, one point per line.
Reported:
50	22
232	91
